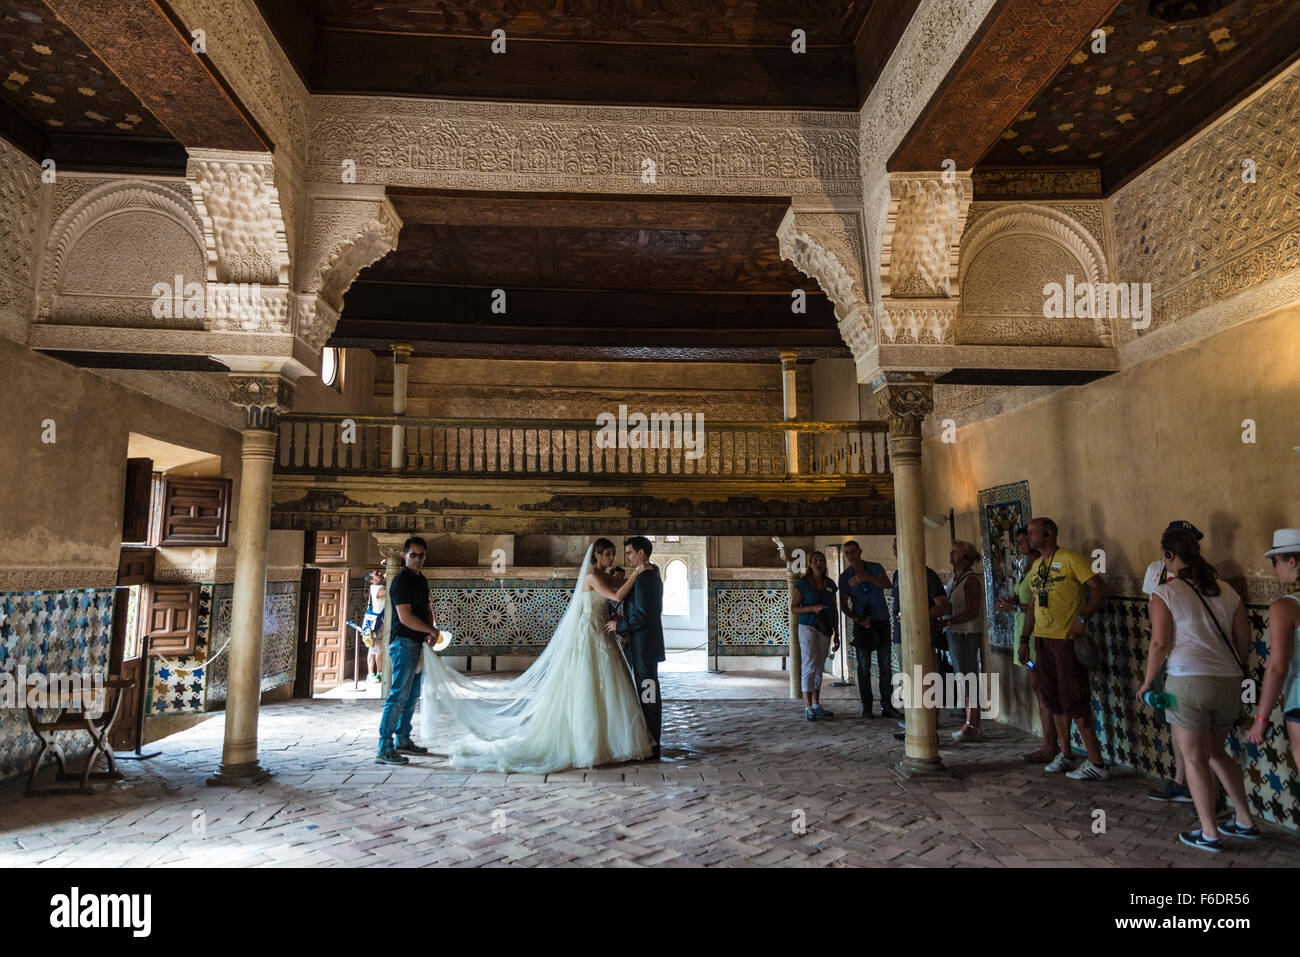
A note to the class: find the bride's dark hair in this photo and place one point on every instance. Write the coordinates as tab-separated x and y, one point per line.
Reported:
601	545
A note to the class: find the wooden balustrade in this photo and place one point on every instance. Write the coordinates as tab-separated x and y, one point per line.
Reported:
510	448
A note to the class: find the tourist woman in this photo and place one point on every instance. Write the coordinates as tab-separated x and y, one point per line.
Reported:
965	631
1199	626
818	631
1282	674
1026	555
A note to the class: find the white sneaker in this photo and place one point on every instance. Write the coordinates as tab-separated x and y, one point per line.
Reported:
1059	763
1089	772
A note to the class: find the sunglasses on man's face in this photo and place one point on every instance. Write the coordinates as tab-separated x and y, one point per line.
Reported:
415	554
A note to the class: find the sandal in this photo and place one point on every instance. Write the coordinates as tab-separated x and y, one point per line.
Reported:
968	732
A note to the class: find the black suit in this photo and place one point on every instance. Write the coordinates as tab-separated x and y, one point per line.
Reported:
643	626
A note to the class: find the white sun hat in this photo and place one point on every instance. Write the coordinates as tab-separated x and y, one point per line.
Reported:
1285	540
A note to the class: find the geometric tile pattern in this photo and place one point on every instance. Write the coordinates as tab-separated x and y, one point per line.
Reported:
50	632
176	684
1132	737
749	617
500	616
279	638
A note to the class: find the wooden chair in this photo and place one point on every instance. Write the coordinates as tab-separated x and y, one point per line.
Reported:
74	719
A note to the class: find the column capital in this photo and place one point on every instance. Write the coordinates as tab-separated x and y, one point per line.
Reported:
909	398
788	358
402	352
390	544
262	397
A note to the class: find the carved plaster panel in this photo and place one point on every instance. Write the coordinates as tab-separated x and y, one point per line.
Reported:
827	247
55	579
237	201
20	186
347	230
1199	232
116	239
479	145
923	229
1008	256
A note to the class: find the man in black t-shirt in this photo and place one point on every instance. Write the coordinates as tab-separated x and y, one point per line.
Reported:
413	625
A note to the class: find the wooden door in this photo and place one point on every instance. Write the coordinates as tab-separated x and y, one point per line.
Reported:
126	650
331	610
305	669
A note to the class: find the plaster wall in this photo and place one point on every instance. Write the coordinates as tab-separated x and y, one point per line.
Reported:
1112	462
63	503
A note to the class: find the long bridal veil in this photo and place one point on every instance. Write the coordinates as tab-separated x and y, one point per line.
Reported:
476	719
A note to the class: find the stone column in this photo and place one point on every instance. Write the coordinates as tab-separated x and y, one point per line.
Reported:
910	397
790	408
262	398
401	367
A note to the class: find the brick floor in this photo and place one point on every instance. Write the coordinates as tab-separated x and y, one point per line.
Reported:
746	781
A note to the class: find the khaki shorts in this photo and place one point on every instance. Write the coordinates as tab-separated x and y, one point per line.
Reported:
1203	702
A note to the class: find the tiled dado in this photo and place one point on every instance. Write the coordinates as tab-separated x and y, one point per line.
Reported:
279	638
748	616
500	616
53	632
1132	737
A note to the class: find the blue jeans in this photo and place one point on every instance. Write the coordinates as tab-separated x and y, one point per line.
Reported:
400	706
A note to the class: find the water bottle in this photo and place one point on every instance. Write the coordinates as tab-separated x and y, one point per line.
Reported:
1158	699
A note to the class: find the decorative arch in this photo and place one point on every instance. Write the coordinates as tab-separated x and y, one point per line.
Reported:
111	199
1033	225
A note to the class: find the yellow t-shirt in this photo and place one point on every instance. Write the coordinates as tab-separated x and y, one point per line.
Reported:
1057	591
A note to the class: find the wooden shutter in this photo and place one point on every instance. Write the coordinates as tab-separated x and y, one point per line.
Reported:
170	619
327	548
135	508
195	511
135	566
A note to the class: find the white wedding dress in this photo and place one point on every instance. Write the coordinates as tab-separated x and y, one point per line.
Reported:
575	707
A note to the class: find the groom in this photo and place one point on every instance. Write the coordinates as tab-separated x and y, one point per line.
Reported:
641	624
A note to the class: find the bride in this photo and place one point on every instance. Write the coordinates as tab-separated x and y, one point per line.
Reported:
575	707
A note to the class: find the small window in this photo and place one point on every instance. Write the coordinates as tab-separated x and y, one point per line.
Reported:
329	367
677	595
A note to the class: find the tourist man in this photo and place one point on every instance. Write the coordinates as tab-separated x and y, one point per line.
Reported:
862	598
1066	594
413	626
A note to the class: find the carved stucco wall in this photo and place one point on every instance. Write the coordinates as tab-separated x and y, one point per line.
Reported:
243	48
1009	251
107	249
932	42
20	184
1217	250
473	145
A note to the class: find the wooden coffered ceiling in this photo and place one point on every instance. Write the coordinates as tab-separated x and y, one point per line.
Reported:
112	86
1039	113
723	53
604	276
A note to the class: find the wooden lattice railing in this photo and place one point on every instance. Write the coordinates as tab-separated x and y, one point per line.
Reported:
526	448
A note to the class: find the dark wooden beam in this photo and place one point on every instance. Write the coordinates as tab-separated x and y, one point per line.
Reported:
577	352
587	210
464	314
881	29
1020	376
148	48
1019	48
150	361
633	74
